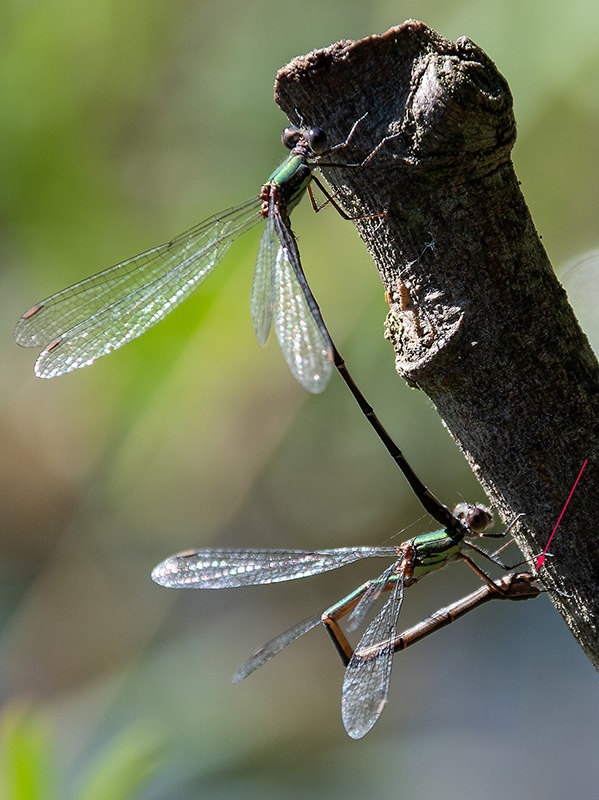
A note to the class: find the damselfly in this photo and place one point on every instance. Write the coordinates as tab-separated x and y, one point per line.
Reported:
90	319
99	314
367	679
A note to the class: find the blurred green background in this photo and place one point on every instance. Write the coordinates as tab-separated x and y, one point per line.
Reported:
121	125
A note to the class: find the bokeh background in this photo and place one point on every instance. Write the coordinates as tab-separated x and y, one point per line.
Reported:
122	124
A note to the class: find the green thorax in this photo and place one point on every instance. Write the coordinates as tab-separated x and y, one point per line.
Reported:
433	551
292	177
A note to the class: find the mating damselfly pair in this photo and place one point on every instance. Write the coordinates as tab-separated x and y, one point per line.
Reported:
99	314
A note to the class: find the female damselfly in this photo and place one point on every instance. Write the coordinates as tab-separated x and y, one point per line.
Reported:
367	678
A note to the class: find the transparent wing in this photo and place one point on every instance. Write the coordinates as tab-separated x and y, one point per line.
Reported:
366	682
372	593
305	342
274	646
224	568
262	299
101	313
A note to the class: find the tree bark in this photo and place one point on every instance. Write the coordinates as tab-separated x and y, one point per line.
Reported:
477	318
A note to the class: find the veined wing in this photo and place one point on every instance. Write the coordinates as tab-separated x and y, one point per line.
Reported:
302	335
366	682
274	646
101	313
224	568
374	590
262	300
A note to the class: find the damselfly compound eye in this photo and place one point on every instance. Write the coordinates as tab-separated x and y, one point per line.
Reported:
316	138
291	136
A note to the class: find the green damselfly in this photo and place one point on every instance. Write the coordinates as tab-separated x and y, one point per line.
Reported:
101	313
367	678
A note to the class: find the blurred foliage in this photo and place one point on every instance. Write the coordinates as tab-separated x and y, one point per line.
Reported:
123	124
26	765
27	762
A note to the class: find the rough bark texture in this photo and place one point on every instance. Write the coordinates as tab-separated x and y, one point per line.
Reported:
477	317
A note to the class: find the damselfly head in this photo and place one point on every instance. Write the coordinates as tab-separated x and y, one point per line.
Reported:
315	138
475	518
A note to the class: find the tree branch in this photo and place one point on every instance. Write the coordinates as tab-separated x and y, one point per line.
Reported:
477	317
